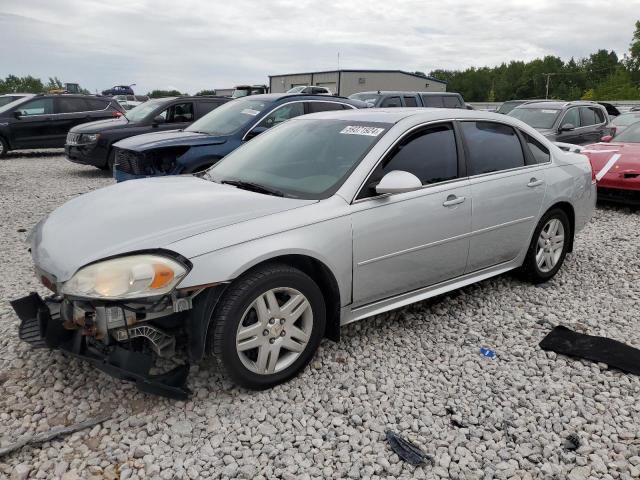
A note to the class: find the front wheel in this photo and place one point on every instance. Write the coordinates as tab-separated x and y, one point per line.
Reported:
267	326
548	247
4	147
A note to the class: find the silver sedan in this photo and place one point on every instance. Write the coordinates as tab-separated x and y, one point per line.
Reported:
324	220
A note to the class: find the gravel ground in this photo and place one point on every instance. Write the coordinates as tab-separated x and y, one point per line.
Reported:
413	371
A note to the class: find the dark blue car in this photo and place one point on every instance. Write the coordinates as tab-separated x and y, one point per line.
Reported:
215	135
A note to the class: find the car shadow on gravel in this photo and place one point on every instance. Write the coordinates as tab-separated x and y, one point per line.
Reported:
19	154
90	173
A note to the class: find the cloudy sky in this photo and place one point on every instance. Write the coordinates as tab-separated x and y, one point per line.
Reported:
191	45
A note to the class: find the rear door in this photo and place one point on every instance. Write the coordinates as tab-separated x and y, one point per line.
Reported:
35	127
69	112
507	187
593	124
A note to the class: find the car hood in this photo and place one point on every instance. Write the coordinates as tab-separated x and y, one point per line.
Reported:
547	132
141	215
628	163
172	138
101	125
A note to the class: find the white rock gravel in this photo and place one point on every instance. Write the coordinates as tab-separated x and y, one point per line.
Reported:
401	371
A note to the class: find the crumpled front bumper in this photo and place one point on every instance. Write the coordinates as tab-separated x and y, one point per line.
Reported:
42	326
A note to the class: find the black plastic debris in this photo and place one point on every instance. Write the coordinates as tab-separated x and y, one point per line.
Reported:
597	349
572	442
456	420
408	451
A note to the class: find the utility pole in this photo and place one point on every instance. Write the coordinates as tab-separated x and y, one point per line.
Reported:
546	95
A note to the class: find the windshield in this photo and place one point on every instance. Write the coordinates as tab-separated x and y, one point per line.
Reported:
12	104
300	158
536	117
506	107
9	99
239	93
629	135
370	98
230	117
626	119
142	111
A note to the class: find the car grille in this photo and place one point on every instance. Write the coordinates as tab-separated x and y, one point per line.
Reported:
131	162
73	138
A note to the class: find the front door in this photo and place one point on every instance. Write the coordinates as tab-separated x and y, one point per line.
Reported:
35	127
507	189
406	241
571	117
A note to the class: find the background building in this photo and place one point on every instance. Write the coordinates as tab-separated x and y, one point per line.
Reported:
347	82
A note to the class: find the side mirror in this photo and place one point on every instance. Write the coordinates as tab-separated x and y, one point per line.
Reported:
255	132
567	127
158	120
606	138
17	114
398	181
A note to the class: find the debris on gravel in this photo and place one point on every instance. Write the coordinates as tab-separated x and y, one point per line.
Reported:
399	371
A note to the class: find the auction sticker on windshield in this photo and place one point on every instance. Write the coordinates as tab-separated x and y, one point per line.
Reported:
360	130
250	111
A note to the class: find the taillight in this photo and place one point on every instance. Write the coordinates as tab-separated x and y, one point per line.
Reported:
613	130
116	114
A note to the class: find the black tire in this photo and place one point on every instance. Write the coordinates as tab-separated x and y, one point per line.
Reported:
530	269
238	298
111	160
4	147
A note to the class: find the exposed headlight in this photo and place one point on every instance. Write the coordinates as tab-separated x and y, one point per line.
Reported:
89	137
135	276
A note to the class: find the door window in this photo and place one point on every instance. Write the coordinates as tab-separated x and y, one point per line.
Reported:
451	102
178	113
71	105
96	104
431	155
587	117
540	152
572	116
391	102
41	106
324	106
492	147
410	101
432	101
283	113
205	107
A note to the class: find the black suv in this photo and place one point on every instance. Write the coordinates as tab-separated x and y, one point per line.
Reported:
91	143
568	122
43	121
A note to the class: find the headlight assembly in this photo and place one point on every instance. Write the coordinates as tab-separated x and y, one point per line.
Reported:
89	137
135	276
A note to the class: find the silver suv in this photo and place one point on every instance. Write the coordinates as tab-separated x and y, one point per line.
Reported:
321	221
579	122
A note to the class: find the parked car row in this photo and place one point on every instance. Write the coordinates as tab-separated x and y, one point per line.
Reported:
319	221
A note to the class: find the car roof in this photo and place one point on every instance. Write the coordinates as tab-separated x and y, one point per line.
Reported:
395	115
273	97
404	92
13	94
559	104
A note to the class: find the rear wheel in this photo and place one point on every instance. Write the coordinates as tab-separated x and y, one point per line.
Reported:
548	247
4	147
267	326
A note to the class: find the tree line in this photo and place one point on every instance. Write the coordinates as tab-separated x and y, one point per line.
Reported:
600	76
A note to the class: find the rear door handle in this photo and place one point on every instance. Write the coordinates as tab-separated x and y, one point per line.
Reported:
453	200
534	182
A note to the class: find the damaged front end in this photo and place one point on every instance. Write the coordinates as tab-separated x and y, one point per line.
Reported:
122	337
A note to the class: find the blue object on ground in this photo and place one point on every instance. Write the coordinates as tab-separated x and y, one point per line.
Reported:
487	353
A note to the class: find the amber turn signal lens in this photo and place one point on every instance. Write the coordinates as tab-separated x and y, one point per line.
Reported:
163	275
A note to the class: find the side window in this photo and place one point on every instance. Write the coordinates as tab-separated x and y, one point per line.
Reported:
180	112
540	152
42	106
492	147
96	104
71	105
571	117
205	107
324	106
283	113
432	101
391	102
431	155
600	115
587	117
451	102
410	101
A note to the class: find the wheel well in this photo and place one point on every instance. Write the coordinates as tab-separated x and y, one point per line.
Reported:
325	280
567	208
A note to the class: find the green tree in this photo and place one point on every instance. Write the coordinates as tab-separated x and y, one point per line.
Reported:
14	84
164	93
205	92
54	84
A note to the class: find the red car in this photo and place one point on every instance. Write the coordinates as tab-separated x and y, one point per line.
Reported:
616	165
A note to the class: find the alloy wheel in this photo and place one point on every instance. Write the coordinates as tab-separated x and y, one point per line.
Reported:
274	330
550	245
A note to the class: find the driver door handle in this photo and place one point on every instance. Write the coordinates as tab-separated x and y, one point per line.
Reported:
453	200
534	182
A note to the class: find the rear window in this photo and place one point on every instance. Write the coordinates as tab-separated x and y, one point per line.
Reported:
410	101
432	101
391	102
71	105
96	104
324	106
539	152
492	147
451	102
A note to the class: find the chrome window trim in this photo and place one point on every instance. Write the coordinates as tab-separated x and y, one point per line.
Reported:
244	137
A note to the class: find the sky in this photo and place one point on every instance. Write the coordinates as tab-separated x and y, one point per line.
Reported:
193	45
